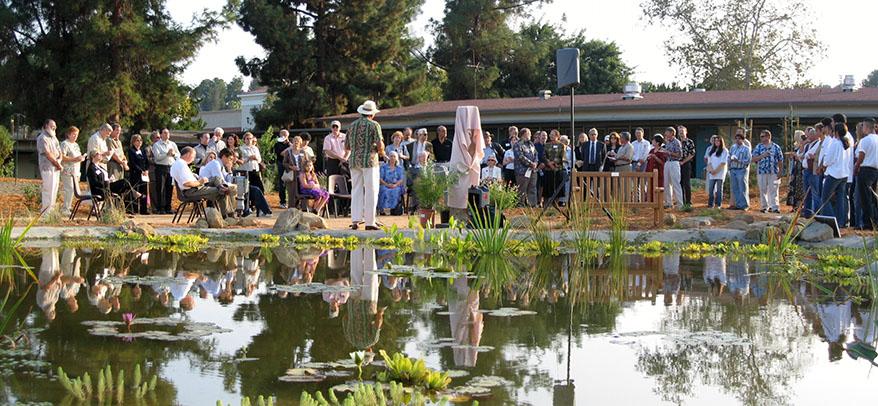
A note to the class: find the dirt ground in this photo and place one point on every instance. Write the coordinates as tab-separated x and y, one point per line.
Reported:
21	199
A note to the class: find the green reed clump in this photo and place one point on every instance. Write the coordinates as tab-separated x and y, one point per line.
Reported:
490	235
618	227
258	401
105	390
370	395
542	237
400	368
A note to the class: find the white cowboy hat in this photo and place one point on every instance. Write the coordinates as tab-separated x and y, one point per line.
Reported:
368	108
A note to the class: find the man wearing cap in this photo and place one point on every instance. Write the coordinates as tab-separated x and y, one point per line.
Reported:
334	150
364	144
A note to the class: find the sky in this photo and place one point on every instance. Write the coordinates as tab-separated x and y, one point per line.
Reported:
617	20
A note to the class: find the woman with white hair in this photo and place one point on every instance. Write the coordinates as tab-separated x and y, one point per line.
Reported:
392	179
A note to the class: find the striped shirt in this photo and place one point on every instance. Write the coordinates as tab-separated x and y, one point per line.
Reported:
362	139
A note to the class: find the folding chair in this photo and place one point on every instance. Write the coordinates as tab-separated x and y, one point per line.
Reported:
338	189
77	194
197	204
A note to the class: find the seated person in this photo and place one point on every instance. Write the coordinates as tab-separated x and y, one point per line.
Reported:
220	168
214	190
99	180
310	188
392	183
491	172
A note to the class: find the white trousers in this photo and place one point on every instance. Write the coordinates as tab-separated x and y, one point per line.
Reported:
67	193
673	190
364	195
768	193
49	189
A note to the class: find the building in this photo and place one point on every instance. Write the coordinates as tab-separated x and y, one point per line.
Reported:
237	120
704	113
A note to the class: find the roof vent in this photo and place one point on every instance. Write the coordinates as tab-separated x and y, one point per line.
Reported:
545	94
698	90
632	91
848	84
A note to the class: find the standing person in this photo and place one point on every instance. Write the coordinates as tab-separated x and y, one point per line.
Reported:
491	145
165	153
625	153
466	156
420	144
849	209
216	142
813	156
49	159
98	152
234	146
280	145
539	140
656	159
525	169
118	164
612	148
71	161
866	170
292	162
835	171
306	147
442	145
796	192
592	153
407	137
334	154
154	137
252	159
769	159
717	166
641	150
508	170
364	144
811	138
739	160
511	133
687	164
553	164
138	175
674	151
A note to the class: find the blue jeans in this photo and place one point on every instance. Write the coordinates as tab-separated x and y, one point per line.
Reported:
808	206
738	183
816	192
714	192
835	195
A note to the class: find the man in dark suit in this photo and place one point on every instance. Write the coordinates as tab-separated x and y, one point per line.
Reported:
591	154
442	145
418	145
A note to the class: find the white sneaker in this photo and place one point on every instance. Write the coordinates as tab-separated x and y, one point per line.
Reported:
283	206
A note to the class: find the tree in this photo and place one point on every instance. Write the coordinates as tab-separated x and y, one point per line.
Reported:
6	145
871	80
327	57
216	94
87	62
649	87
737	44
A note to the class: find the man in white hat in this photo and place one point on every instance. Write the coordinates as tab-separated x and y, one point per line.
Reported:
364	143
333	150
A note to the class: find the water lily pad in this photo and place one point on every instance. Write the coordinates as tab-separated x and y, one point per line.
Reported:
300	375
467	392
145	280
451	343
350	386
509	312
316	287
457	373
489	381
422	272
190	330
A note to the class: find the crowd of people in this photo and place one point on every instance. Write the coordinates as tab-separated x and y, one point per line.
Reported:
830	171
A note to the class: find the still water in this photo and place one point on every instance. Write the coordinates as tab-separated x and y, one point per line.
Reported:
638	331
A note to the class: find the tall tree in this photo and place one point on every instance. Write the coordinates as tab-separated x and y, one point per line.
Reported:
216	94
85	62
737	44
327	56
871	80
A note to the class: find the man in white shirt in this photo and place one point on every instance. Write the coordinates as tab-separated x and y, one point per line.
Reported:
49	162
641	150
866	171
333	150
164	154
835	171
98	151
213	190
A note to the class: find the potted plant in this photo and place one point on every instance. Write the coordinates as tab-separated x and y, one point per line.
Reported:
430	187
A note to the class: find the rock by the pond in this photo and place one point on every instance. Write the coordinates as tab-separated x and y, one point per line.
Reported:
746	218
142	229
695	222
519	222
313	221
232	221
816	232
670	219
248	221
756	231
287	221
214	218
200	223
737	225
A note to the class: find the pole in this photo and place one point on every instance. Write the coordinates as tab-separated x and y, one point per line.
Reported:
573	138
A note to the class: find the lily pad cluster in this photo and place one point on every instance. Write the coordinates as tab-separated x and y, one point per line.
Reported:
190	330
451	343
478	387
421	272
509	312
316	287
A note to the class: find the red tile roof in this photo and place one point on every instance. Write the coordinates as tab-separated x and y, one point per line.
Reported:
719	98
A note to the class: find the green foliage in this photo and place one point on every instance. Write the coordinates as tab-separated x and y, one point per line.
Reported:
393	238
85	63
81	388
546	245
502	196
113	213
7	165
369	395
7	314
712	49
216	94
431	185
618	226
490	236
871	80
326	58
326	241
405	370
10	255
173	242
269	239
31	194
266	150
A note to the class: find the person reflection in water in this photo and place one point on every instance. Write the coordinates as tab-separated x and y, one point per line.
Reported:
715	274
466	322
835	318
363	318
739	278
49	289
864	325
672	280
71	280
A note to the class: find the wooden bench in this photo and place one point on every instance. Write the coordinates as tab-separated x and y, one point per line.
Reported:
634	190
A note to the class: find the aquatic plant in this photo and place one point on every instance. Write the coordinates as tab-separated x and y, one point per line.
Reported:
128	318
502	196
400	368
490	235
584	243
269	239
326	241
174	242
393	238
7	314
10	257
359	358
650	248
369	395
431	184
618	226
700	249
81	388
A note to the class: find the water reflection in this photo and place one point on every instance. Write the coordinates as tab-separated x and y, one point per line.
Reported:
726	334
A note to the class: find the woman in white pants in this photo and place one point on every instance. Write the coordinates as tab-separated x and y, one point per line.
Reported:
71	157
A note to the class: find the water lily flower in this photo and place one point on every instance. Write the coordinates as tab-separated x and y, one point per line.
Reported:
128	318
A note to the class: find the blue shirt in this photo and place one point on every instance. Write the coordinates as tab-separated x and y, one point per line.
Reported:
769	164
742	153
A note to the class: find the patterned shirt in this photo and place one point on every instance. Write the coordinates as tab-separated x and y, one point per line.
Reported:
688	149
363	138
525	155
674	147
554	152
742	153
769	164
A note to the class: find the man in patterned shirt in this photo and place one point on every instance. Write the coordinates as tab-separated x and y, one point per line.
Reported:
686	163
674	149
739	161
769	158
364	144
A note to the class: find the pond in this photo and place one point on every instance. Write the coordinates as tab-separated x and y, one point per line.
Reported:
219	324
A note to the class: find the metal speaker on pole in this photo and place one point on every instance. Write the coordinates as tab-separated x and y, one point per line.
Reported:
567	62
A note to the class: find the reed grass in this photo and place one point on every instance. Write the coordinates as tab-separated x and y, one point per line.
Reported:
490	235
618	227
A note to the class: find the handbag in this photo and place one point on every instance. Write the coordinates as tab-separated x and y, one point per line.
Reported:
288	176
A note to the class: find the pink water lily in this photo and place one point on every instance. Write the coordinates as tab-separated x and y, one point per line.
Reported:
128	318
